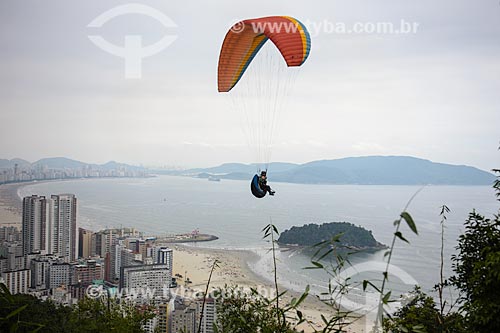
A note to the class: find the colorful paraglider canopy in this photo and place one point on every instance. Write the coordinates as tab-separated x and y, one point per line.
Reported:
256	190
244	40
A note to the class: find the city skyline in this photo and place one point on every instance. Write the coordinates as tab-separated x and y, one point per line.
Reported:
40	260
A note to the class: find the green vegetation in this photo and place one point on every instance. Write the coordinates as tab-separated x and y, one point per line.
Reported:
240	312
243	312
25	313
310	234
421	314
477	272
477	277
385	298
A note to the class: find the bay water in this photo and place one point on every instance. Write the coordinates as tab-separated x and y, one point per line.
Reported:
170	205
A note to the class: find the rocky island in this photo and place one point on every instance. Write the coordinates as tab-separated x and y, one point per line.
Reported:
355	237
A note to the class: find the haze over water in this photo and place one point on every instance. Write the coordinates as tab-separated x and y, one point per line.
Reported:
228	210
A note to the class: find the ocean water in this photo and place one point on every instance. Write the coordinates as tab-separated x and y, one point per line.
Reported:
166	205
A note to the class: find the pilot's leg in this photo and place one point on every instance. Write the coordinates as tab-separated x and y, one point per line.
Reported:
268	188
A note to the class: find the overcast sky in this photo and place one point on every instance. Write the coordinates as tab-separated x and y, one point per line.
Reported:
433	94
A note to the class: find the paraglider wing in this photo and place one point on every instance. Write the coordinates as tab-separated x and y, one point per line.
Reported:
256	190
244	40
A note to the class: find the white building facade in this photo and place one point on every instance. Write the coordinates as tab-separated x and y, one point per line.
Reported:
62	226
18	281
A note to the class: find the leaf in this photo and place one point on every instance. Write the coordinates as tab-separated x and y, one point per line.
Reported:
419	329
325	254
400	236
6	293
366	283
317	252
16	311
316	264
303	296
444	210
319	244
386	298
336	238
409	220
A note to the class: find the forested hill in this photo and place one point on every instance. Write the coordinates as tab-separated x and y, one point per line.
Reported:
364	170
310	234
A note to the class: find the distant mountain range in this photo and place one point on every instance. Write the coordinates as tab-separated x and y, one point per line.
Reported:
368	170
63	163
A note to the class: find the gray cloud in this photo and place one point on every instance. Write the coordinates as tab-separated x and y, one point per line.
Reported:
433	94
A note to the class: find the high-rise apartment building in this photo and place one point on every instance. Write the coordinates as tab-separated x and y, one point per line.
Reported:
84	243
62	226
163	255
103	241
34	224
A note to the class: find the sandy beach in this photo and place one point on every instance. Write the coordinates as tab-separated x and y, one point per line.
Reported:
10	205
195	263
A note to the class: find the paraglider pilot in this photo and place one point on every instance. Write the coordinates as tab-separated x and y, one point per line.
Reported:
263	183
259	185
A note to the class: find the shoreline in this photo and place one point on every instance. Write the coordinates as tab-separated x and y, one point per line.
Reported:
196	261
10	205
234	270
